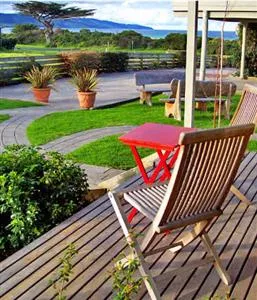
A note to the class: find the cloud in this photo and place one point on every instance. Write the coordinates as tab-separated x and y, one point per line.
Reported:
156	14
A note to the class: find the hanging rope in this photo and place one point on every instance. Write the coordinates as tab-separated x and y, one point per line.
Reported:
219	76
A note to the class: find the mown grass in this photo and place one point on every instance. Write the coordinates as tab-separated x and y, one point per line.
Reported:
10	104
38	50
4	118
107	152
56	125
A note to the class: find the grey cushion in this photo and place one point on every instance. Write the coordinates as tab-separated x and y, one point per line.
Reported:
158	76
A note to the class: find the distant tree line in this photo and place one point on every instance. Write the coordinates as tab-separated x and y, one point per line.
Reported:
128	39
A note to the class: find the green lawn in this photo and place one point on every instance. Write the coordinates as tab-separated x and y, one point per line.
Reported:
56	125
9	104
4	118
106	152
37	50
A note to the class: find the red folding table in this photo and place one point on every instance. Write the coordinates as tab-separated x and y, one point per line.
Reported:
164	140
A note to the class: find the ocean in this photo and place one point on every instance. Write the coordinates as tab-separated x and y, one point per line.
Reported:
152	33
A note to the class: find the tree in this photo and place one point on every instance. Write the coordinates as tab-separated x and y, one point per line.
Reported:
46	12
27	34
251	48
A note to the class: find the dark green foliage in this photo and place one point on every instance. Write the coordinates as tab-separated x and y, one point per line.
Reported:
8	44
230	47
251	49
130	39
176	41
180	58
114	62
27	34
102	62
80	60
37	191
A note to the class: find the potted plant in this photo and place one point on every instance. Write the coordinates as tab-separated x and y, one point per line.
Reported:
41	79
85	81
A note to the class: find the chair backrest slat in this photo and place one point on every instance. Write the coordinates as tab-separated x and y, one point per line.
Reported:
246	111
205	169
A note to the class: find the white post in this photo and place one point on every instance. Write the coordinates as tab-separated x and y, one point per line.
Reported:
191	62
204	45
242	65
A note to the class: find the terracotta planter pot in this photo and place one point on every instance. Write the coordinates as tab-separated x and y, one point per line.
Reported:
42	95
86	99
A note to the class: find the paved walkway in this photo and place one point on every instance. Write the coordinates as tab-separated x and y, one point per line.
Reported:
112	89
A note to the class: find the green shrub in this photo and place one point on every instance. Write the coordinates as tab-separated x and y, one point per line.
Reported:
8	44
114	62
80	60
176	41
37	191
27	34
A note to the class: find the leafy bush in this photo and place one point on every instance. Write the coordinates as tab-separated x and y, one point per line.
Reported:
251	48
80	60
37	191
176	41
8	44
114	62
107	62
27	34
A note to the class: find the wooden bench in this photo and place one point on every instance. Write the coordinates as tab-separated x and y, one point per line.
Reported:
146	82
205	92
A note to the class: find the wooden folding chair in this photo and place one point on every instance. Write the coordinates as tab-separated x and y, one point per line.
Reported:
203	174
246	113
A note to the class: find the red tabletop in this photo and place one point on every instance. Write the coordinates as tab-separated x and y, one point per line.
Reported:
156	136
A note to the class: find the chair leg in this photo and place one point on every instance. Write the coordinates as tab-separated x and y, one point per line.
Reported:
239	195
132	241
217	262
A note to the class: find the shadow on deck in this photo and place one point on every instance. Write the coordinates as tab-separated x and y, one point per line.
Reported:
99	239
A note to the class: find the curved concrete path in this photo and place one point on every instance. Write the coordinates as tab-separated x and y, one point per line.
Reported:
112	89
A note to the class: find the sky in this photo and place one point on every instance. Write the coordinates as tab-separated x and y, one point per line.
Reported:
153	13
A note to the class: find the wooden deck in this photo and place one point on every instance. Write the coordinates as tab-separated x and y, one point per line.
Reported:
98	237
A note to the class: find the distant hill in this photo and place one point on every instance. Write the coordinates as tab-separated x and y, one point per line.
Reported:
11	20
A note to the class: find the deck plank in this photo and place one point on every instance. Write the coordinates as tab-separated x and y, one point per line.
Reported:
99	239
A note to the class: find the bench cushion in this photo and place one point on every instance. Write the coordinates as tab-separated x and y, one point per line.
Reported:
154	89
158	76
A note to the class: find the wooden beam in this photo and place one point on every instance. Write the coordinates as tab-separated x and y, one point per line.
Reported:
204	45
242	65
191	62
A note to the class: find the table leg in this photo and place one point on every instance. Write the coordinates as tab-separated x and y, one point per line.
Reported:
132	214
140	164
163	158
